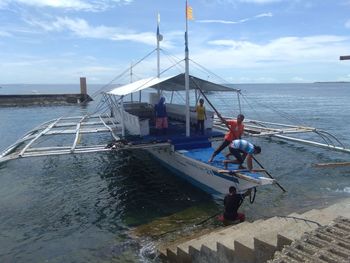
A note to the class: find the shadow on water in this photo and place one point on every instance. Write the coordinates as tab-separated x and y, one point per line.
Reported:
87	207
145	190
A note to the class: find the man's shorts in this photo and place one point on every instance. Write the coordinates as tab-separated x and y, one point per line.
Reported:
162	123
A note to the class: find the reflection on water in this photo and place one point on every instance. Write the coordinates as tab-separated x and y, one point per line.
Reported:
86	205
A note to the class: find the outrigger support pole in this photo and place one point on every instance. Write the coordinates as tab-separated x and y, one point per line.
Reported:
224	121
280	186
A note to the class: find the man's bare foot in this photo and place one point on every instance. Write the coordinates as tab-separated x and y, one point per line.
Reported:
210	160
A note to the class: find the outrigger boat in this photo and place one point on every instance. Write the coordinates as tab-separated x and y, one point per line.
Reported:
131	125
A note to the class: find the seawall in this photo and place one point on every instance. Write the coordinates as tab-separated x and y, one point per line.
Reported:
318	235
42	99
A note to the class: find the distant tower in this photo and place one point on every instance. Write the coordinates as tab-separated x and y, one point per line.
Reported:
344	57
83	89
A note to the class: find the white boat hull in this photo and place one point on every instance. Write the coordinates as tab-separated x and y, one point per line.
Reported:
200	174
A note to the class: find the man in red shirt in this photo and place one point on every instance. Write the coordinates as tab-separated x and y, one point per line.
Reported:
235	132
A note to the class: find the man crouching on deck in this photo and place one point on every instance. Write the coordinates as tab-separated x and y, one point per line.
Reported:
242	149
232	202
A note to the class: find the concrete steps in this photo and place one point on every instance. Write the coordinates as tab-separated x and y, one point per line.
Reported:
329	243
255	242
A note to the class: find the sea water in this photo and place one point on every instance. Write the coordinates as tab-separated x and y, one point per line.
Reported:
115	207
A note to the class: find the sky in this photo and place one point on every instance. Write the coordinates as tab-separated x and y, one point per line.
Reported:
242	41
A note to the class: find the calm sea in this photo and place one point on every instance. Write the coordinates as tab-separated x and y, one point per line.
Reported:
116	207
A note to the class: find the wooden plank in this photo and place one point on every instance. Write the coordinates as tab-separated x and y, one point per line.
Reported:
325	165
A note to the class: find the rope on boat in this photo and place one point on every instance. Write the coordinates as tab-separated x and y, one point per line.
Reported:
252	196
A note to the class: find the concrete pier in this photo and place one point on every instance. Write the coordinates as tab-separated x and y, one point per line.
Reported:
258	241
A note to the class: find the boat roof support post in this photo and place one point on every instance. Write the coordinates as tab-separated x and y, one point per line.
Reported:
172	95
187	78
122	115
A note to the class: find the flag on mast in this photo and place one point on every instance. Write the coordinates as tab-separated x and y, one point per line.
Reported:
189	12
159	36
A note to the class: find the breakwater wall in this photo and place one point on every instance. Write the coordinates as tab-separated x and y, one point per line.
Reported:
42	99
47	99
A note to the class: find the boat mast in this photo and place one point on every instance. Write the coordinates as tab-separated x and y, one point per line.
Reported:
131	81
187	79
159	38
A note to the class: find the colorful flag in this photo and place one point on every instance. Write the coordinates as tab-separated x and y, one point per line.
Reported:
189	13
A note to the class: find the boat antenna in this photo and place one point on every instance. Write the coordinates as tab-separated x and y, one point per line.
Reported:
187	79
159	38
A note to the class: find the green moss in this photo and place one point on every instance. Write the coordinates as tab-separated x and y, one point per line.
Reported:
176	222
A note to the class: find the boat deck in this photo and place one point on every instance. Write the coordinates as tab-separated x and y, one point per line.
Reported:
196	147
203	155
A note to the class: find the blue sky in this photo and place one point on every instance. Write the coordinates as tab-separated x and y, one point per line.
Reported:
243	41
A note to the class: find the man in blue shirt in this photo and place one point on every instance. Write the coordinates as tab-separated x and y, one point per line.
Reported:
242	149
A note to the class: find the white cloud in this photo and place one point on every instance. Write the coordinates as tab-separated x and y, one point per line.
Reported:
238	21
83	29
276	53
87	5
298	79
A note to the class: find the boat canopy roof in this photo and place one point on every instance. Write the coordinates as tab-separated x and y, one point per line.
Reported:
173	83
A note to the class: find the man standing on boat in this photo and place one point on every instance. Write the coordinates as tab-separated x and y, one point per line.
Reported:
201	116
232	202
242	149
161	116
236	128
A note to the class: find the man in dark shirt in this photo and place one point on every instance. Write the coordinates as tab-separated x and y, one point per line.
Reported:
161	116
232	202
